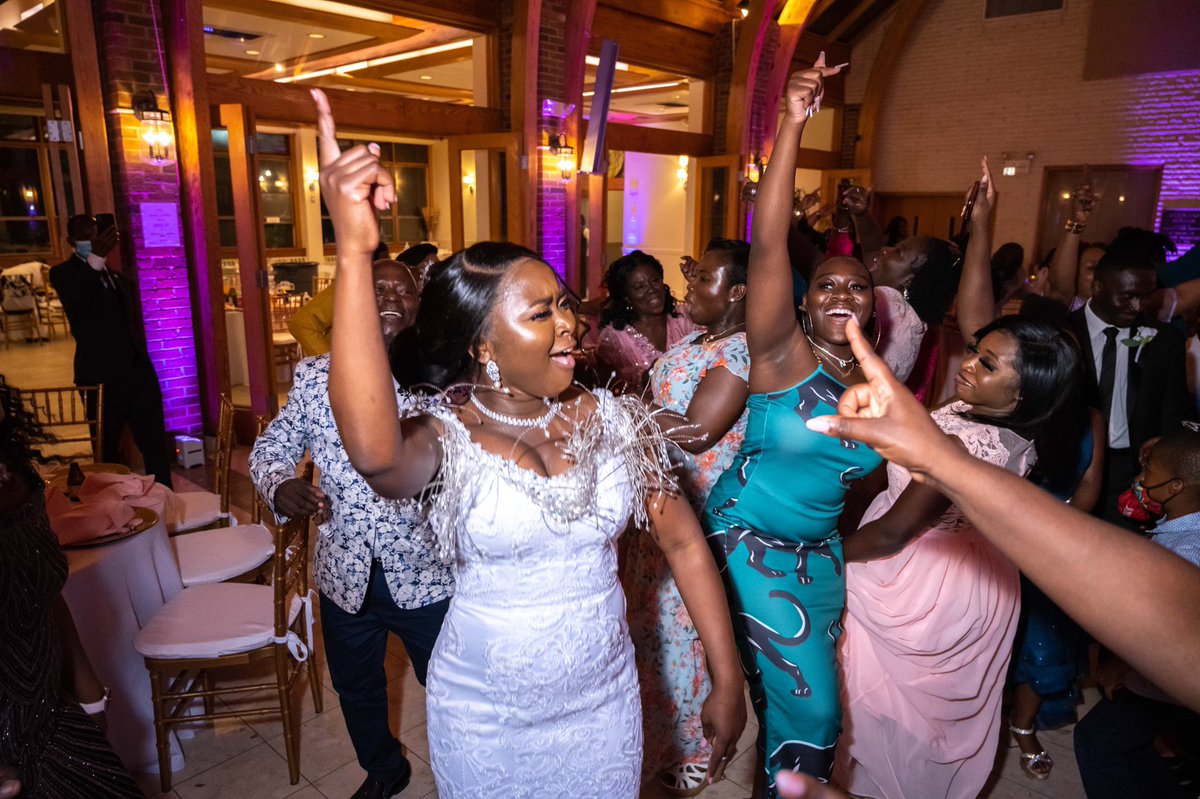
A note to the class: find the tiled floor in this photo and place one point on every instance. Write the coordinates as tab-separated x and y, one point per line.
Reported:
244	757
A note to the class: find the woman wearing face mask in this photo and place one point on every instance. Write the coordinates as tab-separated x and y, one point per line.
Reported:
639	321
701	382
931	607
773	514
532	688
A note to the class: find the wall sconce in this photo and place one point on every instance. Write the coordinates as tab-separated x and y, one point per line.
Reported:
565	153
682	172
312	178
744	8
157	131
750	178
469	182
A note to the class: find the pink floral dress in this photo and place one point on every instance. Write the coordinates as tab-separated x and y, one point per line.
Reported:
670	659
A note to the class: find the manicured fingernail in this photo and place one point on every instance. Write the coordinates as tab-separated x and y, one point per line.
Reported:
820	424
374	148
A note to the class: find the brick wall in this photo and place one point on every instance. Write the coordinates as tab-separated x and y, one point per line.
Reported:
552	84
965	87
129	61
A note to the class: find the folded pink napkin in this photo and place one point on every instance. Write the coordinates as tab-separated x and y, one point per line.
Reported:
136	490
76	523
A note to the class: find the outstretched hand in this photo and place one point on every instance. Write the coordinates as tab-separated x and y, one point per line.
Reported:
884	415
1083	199
805	89
354	184
985	200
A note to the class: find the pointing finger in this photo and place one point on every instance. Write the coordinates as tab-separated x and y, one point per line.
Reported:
820	62
328	151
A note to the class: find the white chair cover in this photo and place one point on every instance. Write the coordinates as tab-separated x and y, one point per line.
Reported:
213	556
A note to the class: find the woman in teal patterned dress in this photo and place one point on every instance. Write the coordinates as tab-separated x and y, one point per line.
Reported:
701	383
772	516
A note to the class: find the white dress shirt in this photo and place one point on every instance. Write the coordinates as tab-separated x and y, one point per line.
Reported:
1118	415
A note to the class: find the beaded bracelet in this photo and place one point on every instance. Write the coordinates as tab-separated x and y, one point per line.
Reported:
1075	227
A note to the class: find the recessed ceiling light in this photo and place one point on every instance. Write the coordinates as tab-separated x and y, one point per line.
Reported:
316	36
253	52
426	77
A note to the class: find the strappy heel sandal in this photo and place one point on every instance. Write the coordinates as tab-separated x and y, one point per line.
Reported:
1037	765
684	779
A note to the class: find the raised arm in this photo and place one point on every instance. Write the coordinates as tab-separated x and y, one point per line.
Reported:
355	185
1064	269
975	304
1151	609
857	200
771	325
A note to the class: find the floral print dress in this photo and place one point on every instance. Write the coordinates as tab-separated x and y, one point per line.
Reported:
670	659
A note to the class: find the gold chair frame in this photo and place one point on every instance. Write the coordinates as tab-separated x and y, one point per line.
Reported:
67	407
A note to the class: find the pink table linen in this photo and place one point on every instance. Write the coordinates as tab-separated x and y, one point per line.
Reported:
113	591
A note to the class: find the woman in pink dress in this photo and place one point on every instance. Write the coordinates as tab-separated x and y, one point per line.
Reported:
931	609
639	321
931	606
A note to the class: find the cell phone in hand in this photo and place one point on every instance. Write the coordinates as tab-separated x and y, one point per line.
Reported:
968	208
105	222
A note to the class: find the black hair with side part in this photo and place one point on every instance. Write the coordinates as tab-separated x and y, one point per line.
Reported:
437	351
737	255
417	253
617	310
1049	367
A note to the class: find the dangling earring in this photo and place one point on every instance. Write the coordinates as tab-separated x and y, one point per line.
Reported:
905	293
805	322
492	369
877	328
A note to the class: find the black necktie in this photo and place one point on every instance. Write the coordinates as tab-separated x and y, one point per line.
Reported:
1108	370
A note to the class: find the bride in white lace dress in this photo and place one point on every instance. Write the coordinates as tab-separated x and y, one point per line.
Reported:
532	689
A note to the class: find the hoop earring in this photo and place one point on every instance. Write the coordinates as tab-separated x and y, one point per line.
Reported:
492	369
805	322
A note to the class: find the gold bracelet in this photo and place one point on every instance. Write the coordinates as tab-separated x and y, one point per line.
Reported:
1075	227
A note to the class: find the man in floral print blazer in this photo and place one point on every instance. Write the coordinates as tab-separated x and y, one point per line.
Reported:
374	563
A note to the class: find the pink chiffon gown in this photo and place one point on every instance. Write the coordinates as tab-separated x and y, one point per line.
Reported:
928	635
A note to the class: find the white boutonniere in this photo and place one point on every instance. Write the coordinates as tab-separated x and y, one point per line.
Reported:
1137	341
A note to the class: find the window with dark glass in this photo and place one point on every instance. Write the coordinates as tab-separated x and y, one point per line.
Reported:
25	205
404	222
275	185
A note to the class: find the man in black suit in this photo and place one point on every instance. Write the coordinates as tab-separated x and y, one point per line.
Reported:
1136	372
109	349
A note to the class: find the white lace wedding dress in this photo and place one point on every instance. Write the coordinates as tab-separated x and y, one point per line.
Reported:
532	688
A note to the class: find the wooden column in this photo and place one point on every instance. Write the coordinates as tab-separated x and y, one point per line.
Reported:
183	23
89	103
580	14
252	258
527	21
750	35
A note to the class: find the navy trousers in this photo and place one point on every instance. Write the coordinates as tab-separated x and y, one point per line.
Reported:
1114	747
355	646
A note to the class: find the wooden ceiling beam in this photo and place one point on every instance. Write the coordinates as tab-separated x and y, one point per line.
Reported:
634	138
238	66
421	62
402	86
272	10
654	43
331	52
21	40
855	14
700	16
291	103
480	16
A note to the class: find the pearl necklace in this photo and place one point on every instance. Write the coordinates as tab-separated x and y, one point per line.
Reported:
843	365
539	422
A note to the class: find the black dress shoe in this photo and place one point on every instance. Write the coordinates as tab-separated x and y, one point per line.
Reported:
374	789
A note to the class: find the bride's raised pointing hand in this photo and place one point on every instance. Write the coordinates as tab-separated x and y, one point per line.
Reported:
354	184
